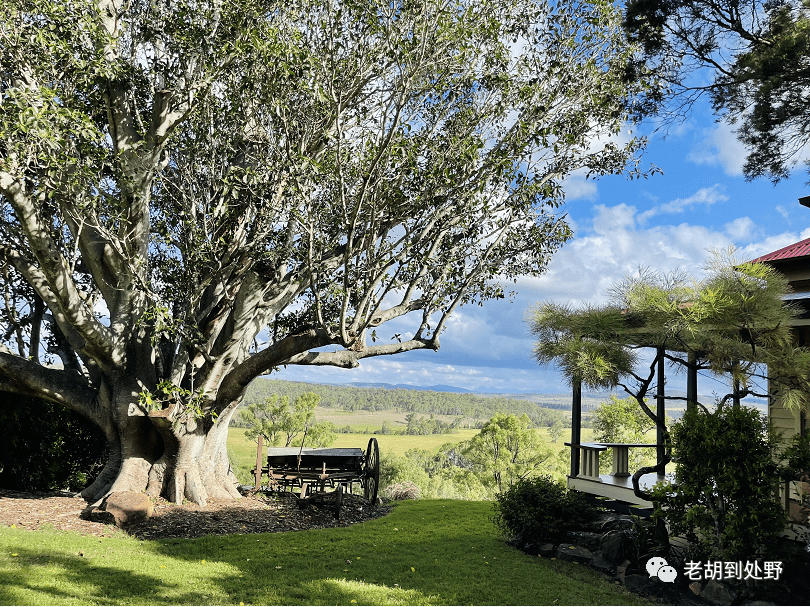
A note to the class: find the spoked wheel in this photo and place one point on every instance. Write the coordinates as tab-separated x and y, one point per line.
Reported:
371	471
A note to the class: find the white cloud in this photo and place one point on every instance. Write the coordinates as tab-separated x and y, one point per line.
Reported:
494	331
704	196
720	147
740	229
577	187
426	369
586	268
770	244
617	245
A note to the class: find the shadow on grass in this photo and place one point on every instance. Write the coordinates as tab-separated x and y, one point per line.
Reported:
431	552
99	583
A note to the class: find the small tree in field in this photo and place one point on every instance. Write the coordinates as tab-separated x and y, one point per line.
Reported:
506	450
194	193
622	421
279	423
555	430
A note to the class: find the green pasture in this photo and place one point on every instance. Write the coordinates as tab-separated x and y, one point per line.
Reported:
439	552
243	451
372	420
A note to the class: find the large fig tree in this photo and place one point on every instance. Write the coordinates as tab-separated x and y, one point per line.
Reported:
193	193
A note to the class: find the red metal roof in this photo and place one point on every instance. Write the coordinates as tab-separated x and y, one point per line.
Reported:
794	251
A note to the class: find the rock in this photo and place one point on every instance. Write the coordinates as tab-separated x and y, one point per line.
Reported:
618	523
617	545
600	563
96	515
573	553
621	570
547	550
696	587
586	539
642	584
717	593
128	507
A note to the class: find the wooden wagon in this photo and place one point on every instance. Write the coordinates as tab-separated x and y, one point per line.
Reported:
322	475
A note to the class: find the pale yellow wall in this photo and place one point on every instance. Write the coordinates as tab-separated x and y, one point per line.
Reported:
788	423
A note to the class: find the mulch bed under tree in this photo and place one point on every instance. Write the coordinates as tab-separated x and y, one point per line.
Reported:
254	513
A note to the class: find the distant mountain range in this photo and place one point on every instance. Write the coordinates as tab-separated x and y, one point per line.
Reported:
558	401
446	388
590	399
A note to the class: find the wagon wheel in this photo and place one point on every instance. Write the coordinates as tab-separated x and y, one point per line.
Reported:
371	471
338	500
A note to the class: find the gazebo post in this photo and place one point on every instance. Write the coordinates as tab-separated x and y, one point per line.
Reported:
576	425
691	382
736	388
661	410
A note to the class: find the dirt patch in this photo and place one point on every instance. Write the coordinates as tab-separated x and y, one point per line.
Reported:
258	513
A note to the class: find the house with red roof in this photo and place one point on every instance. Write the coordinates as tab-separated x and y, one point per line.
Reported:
793	261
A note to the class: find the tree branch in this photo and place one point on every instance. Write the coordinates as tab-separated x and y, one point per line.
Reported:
51	281
55	385
349	359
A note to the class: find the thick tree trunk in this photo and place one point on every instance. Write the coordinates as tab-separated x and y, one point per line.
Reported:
106	478
178	452
178	460
218	478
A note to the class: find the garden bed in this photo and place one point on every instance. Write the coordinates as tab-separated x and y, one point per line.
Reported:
256	513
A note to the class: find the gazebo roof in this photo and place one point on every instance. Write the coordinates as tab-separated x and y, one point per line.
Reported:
793	251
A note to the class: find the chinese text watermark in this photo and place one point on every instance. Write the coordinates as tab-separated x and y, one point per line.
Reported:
732	570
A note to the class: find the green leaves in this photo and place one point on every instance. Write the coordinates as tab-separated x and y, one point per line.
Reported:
279	422
725	496
756	52
181	405
735	314
507	450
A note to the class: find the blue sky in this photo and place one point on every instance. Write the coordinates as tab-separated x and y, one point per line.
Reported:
669	221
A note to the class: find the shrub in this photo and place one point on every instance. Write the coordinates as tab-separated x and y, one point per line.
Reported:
47	446
404	491
725	498
538	510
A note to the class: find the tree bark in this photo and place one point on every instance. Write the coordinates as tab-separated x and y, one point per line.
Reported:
170	452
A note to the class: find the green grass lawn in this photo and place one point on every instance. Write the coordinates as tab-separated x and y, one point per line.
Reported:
424	553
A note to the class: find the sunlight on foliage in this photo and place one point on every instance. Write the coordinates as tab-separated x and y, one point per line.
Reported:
735	323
